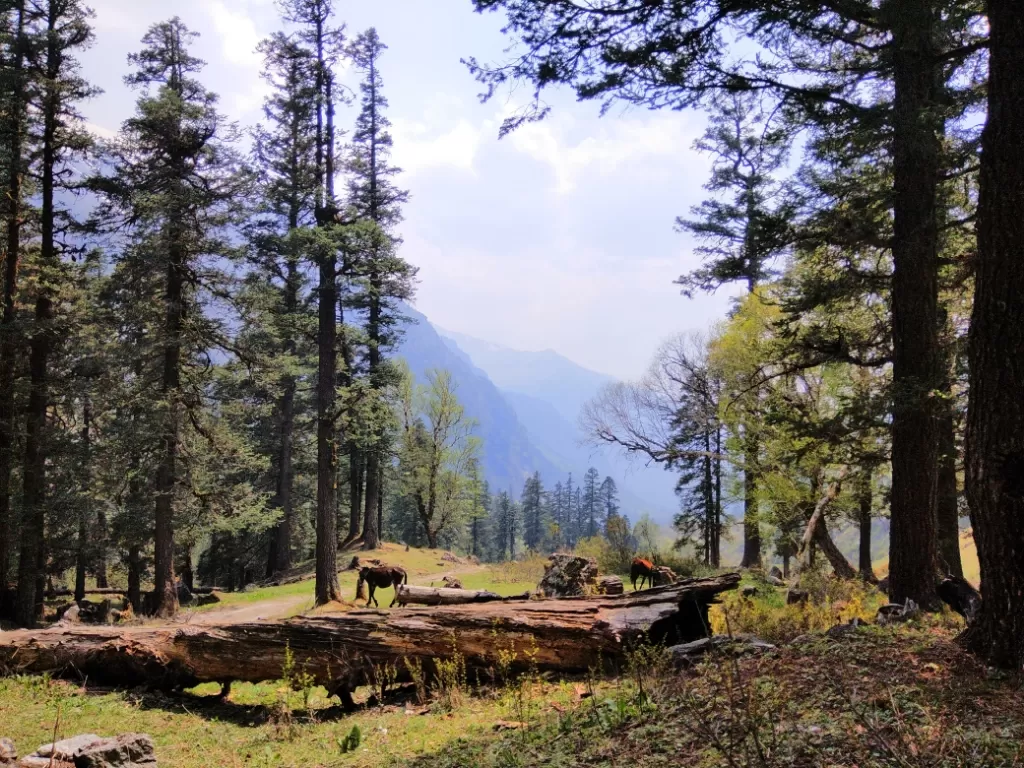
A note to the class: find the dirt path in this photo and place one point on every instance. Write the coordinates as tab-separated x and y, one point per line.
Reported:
278	608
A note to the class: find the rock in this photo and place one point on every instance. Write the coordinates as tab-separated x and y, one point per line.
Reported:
797	597
34	761
894	613
72	615
69	749
662	576
776	573
8	753
736	644
610	585
131	750
748	591
775	582
448	557
209	599
451	582
567	575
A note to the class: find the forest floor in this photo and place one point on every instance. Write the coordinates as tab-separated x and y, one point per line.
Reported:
904	696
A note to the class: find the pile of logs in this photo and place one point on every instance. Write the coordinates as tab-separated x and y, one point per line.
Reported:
347	650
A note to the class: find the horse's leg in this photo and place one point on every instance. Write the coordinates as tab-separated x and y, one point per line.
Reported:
396	584
371	599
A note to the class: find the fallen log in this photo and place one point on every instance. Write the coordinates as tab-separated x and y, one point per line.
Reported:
346	650
449	596
116	591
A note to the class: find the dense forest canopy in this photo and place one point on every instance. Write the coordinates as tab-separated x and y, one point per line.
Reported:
199	378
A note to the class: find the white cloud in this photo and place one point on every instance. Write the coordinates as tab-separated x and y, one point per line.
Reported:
615	143
419	146
239	37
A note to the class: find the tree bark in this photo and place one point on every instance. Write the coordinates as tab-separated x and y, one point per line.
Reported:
135	578
811	534
751	524
344	651
356	473
947	502
412	595
865	497
916	149
12	257
279	558
326	589
995	414
102	535
371	533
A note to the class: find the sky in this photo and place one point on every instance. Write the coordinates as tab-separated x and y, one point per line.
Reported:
558	237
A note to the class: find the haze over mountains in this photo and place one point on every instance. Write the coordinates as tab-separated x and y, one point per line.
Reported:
527	405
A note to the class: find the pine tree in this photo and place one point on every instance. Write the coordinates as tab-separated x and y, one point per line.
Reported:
591	512
532	504
608	498
373	195
325	42
995	417
16	48
177	183
286	153
58	88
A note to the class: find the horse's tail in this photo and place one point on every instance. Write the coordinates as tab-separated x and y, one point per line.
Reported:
405	574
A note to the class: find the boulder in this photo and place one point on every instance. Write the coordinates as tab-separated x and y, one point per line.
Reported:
451	582
567	575
735	644
797	596
131	750
840	631
448	557
68	749
775	582
662	576
776	573
87	750
610	585
72	615
894	613
8	752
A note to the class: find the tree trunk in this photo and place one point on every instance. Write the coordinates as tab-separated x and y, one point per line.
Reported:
82	555
751	524
12	256
865	498
947	503
840	565
371	533
135	578
101	547
411	595
810	534
917	125
995	414
356	473
717	550
166	596
34	470
346	650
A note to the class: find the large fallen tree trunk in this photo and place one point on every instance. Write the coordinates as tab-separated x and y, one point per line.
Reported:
346	650
449	596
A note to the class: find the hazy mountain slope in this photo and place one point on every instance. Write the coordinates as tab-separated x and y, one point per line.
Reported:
509	456
547	392
545	375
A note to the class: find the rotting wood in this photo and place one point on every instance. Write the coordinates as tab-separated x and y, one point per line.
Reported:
346	650
450	596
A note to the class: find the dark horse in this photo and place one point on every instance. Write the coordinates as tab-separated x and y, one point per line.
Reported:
382	576
641	569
